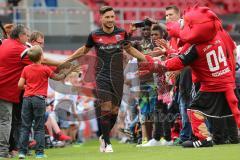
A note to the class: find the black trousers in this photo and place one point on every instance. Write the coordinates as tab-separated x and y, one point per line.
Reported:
16	125
162	122
224	130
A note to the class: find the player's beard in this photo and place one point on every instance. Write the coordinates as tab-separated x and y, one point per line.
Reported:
108	27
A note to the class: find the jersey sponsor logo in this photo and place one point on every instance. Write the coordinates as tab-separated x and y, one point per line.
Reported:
109	47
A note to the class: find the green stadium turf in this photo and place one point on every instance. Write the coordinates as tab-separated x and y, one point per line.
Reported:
90	151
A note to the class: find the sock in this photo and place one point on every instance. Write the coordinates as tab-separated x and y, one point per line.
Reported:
233	104
105	122
113	120
57	135
199	127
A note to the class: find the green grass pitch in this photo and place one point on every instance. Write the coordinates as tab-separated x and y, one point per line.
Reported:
90	151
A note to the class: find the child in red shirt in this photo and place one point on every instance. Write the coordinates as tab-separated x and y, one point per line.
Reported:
34	80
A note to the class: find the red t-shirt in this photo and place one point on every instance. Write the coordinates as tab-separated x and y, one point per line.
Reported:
36	77
11	66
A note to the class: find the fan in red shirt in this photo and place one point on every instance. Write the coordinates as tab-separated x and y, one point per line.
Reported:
209	57
10	70
11	67
34	79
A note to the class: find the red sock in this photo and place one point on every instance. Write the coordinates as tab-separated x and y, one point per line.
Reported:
198	124
233	104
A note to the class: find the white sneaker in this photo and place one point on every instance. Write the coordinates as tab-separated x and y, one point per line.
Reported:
123	140
139	145
143	142
151	143
108	149
166	143
21	156
102	144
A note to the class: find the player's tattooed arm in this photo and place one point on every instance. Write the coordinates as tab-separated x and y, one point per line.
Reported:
50	62
78	53
133	51
63	73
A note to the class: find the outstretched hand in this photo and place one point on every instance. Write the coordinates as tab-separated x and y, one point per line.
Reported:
152	66
142	73
146	65
126	44
162	43
64	65
72	68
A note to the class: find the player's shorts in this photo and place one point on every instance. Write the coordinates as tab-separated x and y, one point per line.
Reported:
109	90
211	104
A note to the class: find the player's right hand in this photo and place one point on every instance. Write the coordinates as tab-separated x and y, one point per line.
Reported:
64	65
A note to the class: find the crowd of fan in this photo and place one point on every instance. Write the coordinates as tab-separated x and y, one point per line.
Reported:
157	105
153	110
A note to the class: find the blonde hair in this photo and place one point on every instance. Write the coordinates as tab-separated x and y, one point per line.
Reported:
35	53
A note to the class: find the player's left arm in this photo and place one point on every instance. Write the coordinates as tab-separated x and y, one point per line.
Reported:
134	52
51	62
127	46
63	73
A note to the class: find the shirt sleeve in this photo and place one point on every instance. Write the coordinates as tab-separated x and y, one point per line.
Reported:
24	57
48	71
188	56
90	42
185	58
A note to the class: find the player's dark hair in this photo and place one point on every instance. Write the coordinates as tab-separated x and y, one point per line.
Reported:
175	8
105	9
17	30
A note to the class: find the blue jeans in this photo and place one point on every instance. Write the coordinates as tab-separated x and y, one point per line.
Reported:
186	132
33	109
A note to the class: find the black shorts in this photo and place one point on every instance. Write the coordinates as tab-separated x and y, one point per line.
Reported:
109	90
211	104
